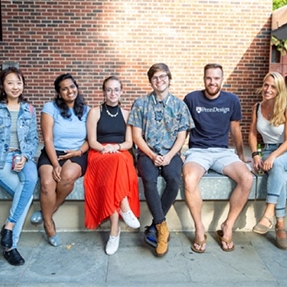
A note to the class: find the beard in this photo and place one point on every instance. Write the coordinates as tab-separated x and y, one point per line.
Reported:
212	90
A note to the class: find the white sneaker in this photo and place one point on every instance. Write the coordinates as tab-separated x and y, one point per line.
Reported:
113	244
130	219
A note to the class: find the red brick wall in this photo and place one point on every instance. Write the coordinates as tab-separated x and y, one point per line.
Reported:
94	39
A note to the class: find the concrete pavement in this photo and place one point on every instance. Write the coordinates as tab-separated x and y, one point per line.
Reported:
81	261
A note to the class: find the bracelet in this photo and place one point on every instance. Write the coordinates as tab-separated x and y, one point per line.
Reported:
255	153
119	146
81	152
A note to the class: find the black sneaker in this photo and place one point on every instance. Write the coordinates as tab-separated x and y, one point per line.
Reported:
13	257
150	236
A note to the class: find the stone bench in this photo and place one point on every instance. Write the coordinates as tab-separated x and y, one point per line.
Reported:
213	186
215	189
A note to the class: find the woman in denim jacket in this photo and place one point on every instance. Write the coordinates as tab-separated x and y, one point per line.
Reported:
18	136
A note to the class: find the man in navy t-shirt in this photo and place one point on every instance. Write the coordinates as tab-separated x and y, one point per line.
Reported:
215	114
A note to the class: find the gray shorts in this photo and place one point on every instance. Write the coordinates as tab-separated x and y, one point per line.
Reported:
211	158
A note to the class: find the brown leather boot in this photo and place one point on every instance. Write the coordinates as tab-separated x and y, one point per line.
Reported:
162	239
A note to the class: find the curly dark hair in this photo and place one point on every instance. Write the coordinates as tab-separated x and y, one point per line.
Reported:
79	106
3	75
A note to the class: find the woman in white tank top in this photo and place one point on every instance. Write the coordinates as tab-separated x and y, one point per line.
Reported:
269	118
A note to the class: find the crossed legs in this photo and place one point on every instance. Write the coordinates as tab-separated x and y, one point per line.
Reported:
114	218
53	193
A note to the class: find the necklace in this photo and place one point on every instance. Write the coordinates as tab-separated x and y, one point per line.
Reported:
110	114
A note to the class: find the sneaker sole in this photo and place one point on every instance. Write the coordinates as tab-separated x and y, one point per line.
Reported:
150	243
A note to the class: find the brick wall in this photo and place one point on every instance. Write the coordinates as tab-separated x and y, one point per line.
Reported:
94	39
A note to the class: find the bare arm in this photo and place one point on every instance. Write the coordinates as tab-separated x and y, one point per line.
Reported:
47	123
92	121
237	138
128	143
252	139
176	148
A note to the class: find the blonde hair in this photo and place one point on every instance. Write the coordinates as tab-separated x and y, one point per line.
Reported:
279	109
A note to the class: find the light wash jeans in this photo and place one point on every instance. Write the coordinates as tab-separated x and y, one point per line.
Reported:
20	185
276	181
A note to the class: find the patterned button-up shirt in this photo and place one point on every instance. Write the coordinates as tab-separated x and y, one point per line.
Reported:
160	121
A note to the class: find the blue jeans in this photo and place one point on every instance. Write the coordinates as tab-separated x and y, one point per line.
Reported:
276	181
20	185
159	205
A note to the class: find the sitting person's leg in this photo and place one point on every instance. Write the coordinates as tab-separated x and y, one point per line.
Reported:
149	174
276	202
280	213
21	186
48	202
10	182
228	163
127	214
114	238
172	176
192	174
71	171
12	255
196	164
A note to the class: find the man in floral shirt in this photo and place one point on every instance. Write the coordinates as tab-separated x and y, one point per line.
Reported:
160	123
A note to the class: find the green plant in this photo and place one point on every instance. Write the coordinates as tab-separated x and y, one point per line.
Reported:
281	45
279	3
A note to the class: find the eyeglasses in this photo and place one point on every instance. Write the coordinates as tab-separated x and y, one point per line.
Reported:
109	90
159	78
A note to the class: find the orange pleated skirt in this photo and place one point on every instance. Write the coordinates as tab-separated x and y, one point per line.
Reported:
108	180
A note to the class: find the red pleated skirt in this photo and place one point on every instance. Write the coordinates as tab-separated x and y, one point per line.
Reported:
108	180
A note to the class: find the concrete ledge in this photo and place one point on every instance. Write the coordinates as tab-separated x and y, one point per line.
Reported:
213	186
215	190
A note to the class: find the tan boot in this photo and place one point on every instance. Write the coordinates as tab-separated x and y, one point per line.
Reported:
162	239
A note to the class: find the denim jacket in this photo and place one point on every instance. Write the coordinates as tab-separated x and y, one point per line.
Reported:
26	130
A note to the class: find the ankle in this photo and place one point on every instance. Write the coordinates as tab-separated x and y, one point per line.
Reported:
9	225
115	231
280	224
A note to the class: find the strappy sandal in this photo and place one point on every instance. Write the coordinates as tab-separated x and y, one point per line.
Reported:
263	229
219	234
200	244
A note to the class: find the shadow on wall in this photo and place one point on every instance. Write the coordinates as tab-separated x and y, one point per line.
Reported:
248	74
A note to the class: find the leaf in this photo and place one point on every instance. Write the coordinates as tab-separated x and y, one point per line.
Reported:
281	45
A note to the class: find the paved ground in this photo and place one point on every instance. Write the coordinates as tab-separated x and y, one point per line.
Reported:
81	261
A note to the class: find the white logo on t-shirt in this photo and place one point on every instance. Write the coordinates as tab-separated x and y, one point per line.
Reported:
212	110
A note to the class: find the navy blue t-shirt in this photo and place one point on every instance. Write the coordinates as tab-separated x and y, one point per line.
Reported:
212	118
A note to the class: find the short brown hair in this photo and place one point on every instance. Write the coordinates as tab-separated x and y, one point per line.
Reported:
212	66
158	67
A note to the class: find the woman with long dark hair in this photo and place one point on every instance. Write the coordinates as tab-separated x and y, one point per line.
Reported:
64	156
